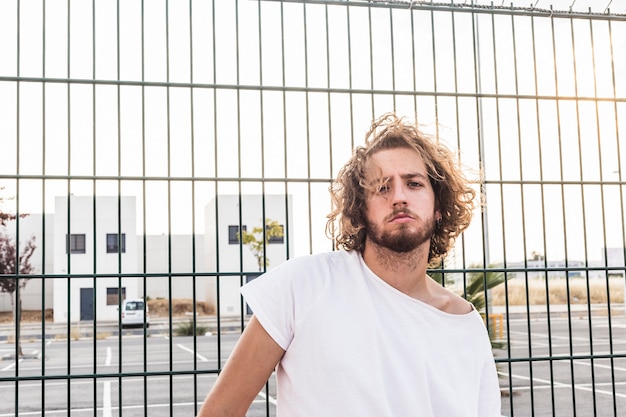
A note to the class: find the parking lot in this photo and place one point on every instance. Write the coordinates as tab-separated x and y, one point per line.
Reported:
563	379
161	377
554	370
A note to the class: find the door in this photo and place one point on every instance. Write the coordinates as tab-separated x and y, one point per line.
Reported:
86	303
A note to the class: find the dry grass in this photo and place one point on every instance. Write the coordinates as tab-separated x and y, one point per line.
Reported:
558	292
180	307
158	308
28	316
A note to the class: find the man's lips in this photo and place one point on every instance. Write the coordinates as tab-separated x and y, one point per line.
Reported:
401	217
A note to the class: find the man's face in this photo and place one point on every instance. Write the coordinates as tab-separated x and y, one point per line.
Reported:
400	212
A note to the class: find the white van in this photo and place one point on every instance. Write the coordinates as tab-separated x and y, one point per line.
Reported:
133	311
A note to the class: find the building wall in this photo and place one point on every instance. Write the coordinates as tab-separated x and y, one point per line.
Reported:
172	258
233	263
94	218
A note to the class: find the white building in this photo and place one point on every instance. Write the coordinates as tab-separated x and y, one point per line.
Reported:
234	263
93	237
94	240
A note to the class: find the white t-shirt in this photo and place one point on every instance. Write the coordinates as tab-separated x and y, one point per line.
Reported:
355	346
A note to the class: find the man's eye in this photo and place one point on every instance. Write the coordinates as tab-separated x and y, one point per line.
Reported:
383	189
415	184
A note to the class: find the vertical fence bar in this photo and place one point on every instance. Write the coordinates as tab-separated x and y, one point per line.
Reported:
94	161
435	89
478	88
584	212
393	63
144	265
193	212
120	288
69	218
169	208
307	116
216	205
43	217
371	61
543	204
602	211
17	169
457	122
350	85
284	128
621	206
563	207
328	96
263	207
524	240
414	61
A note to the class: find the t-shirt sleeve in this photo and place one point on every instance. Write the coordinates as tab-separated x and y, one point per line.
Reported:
271	301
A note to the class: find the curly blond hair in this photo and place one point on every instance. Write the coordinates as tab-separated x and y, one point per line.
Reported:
454	196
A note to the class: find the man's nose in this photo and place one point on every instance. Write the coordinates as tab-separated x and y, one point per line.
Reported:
399	197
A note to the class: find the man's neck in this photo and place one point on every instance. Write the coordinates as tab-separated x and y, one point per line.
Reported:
406	272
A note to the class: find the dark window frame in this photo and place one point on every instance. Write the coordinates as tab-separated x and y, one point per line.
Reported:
233	230
113	295
113	242
76	243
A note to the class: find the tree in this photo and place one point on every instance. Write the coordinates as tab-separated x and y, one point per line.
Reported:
478	282
6	217
12	264
258	239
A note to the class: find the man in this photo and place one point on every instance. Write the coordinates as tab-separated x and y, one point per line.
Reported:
364	331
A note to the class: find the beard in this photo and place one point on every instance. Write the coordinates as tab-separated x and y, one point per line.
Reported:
403	238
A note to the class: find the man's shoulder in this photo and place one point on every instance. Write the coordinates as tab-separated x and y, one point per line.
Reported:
449	302
324	258
317	267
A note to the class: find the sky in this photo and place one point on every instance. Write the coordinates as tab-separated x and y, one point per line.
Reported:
306	75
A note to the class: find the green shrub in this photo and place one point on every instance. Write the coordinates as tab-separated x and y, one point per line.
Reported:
188	329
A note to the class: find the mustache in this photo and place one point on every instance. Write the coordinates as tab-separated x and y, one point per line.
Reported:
404	211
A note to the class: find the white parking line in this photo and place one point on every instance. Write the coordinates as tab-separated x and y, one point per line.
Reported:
581	387
106	388
547	336
598	365
106	399
107	361
12	365
199	356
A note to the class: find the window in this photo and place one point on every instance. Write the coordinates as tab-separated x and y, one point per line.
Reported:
112	295
112	243
233	234
134	306
75	243
277	239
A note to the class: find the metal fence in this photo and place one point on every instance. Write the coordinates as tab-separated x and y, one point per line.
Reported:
142	138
